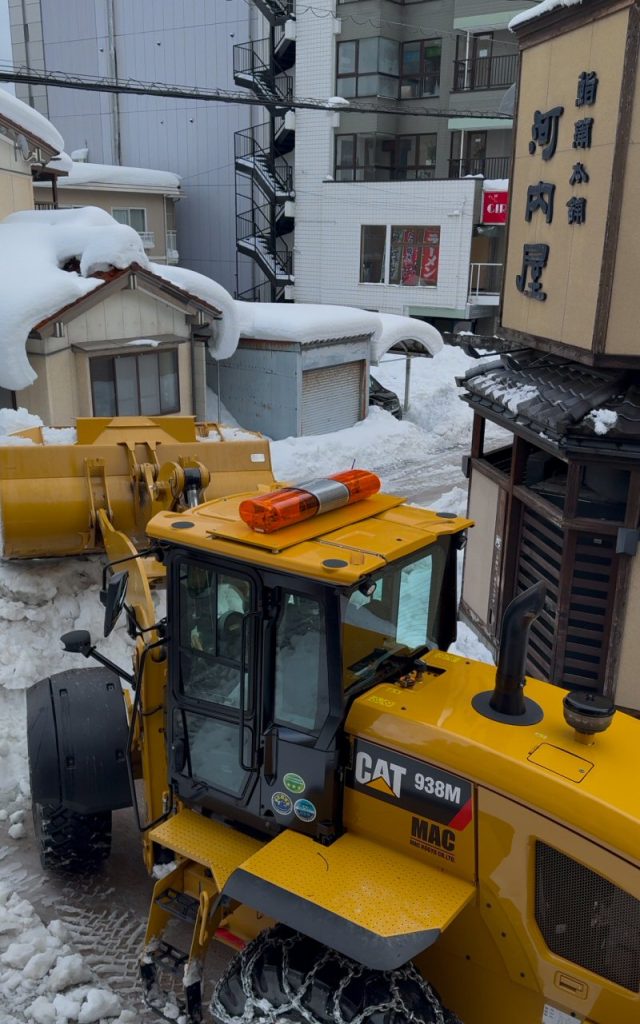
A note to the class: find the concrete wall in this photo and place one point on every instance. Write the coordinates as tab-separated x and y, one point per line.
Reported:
16	189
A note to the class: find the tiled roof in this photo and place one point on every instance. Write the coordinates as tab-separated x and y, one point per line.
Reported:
557	398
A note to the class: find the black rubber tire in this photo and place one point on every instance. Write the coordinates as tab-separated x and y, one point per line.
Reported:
285	976
70	841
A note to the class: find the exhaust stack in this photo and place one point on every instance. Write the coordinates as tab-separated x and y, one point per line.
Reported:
507	702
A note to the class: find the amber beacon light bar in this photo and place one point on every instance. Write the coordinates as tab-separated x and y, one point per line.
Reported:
292	505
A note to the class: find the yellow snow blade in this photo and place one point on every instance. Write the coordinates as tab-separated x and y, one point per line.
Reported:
129	467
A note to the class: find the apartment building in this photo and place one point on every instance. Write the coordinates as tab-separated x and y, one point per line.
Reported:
394	211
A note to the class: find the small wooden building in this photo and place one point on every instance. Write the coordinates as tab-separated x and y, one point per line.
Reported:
135	345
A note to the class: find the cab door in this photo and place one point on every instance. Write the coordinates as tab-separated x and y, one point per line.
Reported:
213	744
301	783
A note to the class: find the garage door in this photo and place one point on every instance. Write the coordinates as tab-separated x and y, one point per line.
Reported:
332	397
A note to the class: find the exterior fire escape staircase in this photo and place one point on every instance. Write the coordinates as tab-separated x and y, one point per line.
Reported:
264	177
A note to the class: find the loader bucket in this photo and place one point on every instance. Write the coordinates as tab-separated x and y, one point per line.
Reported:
50	493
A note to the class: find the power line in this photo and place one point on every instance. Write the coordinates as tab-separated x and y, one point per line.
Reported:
95	83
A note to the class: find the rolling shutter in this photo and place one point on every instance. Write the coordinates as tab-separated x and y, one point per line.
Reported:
332	397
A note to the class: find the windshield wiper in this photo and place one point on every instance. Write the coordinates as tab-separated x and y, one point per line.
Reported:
395	662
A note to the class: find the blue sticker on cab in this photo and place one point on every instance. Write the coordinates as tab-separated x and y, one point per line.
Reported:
304	810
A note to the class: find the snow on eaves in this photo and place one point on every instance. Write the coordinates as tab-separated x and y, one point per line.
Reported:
226	332
30	121
137	179
34	246
396	329
536	12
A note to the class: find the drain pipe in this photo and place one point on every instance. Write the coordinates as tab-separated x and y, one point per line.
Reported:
506	702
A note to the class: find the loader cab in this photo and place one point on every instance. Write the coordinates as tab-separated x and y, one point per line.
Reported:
261	667
255	698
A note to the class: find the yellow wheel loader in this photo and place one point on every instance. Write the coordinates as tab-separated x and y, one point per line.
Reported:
383	832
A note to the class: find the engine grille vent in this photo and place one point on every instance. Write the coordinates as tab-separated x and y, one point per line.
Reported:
586	919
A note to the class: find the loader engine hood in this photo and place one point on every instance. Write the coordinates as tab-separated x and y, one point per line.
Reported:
424	751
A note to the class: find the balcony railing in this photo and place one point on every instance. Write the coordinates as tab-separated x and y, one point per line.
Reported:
148	239
172	253
485	279
489	166
485	73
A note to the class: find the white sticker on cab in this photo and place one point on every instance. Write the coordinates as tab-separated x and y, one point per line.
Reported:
257	457
552	1015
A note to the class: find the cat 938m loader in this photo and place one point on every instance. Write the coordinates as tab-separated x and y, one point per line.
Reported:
384	832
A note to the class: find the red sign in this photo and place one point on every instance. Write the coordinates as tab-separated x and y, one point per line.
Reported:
494	207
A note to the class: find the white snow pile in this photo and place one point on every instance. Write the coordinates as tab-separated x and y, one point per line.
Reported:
536	12
42	978
306	322
512	396
30	121
602	420
337	101
495	185
34	246
138	179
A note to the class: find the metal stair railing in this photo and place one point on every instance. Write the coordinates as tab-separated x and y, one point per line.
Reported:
254	235
274	174
276	11
253	67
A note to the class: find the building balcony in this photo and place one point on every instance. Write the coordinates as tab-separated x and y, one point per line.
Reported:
488	166
148	239
485	282
484	73
172	247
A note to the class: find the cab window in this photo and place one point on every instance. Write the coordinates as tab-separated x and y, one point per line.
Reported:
212	609
301	677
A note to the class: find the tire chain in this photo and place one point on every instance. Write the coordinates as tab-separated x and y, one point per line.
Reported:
257	1012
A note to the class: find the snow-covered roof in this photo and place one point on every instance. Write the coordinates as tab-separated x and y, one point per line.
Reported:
34	247
495	185
29	122
123	179
36	244
536	12
306	323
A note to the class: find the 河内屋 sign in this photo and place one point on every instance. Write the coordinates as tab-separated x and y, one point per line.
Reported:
494	207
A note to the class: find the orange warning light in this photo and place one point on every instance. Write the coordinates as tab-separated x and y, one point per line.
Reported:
292	505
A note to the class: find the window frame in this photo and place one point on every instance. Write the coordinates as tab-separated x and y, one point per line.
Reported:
164	410
357	74
389	229
128	210
422	75
356	170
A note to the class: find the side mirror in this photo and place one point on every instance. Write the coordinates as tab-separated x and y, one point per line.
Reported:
78	641
113	599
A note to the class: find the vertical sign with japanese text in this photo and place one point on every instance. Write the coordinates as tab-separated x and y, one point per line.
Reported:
563	162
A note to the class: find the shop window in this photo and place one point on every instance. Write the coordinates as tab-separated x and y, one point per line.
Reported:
373	241
413	257
420	74
145	384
